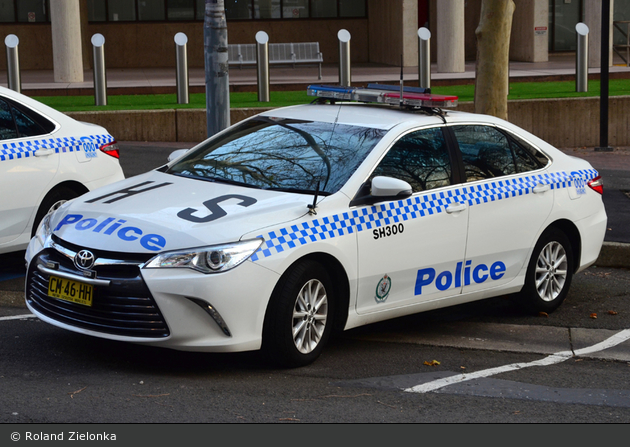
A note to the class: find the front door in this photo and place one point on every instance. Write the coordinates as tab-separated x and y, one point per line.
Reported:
412	250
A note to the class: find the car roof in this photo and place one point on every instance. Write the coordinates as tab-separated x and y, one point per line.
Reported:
377	116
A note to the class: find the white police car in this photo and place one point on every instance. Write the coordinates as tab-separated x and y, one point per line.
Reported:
46	157
309	218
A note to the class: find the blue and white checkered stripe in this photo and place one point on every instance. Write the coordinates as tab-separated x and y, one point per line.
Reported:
415	207
25	149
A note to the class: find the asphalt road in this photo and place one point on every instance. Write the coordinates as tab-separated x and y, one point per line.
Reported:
375	374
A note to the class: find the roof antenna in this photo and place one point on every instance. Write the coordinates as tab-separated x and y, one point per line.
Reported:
401	81
312	209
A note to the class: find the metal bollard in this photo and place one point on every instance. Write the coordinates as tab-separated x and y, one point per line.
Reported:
13	63
262	65
100	77
424	58
345	75
181	62
581	63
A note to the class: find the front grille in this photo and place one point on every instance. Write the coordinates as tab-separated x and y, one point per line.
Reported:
125	307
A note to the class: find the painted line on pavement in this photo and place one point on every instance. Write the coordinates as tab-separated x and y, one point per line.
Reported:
17	317
558	357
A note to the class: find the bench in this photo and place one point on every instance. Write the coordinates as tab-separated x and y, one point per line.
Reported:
279	53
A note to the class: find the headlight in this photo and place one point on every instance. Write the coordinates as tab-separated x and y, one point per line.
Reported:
214	259
44	230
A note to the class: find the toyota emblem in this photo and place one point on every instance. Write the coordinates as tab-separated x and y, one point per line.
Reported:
84	260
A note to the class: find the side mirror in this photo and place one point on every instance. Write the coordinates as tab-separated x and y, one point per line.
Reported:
176	154
382	189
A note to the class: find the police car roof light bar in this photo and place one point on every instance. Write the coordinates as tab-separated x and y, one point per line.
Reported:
383	94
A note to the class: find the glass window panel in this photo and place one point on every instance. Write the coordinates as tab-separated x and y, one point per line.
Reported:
238	9
567	15
419	158
7	125
324	8
25	125
32	10
299	156
621	12
201	8
180	9
352	8
485	151
97	10
121	10
7	11
267	9
151	10
294	9
541	159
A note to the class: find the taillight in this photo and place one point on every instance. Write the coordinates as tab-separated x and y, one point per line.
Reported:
597	184
111	149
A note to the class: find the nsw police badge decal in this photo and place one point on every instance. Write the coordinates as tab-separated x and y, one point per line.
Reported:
382	289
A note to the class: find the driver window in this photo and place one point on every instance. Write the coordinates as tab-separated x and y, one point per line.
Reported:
420	158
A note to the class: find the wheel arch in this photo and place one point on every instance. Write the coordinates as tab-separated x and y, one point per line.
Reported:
572	232
78	187
339	277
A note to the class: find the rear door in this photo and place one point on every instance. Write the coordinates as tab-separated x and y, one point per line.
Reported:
510	198
27	167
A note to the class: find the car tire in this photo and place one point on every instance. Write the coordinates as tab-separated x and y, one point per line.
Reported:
299	317
53	200
549	273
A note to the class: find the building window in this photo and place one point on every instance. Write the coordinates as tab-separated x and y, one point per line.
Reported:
324	8
7	11
32	11
25	11
151	10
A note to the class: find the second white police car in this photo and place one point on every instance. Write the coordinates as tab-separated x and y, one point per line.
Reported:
306	219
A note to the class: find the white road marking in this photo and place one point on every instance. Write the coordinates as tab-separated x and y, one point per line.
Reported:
17	317
558	357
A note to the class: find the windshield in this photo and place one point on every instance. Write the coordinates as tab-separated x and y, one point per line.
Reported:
282	154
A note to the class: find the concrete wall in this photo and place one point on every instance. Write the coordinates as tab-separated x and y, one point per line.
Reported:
392	28
529	40
572	122
147	45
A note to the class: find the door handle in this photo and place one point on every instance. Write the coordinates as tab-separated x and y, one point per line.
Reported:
540	188
44	152
455	207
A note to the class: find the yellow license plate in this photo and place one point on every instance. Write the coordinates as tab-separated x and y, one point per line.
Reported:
68	290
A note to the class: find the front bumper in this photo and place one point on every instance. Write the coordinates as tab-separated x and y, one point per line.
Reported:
170	307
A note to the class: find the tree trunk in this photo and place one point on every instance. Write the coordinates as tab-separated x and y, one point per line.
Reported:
493	57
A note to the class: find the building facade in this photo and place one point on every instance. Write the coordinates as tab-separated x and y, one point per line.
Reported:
139	33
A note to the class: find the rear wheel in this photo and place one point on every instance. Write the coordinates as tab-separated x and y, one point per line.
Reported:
300	315
549	273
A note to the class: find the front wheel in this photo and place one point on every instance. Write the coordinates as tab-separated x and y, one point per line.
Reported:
549	273
51	202
300	316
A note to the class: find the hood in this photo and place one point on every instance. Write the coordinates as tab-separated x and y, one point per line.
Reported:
159	212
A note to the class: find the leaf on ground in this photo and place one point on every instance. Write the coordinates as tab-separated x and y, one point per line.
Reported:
432	363
593	315
612	312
